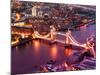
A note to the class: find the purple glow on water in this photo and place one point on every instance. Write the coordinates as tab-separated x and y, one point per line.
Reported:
25	57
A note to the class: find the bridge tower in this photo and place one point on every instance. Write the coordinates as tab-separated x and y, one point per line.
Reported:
90	47
52	33
68	41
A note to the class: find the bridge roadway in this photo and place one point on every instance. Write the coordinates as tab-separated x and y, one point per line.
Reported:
73	41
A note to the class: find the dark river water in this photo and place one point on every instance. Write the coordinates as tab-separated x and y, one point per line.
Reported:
37	52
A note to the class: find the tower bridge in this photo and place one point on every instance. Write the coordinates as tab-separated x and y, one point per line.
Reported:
69	39
52	36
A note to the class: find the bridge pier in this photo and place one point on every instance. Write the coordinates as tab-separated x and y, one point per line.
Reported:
67	40
68	43
53	33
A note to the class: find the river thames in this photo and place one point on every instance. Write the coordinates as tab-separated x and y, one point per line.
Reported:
38	52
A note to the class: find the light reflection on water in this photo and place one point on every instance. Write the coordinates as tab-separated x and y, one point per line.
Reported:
68	52
41	48
17	49
36	45
53	51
